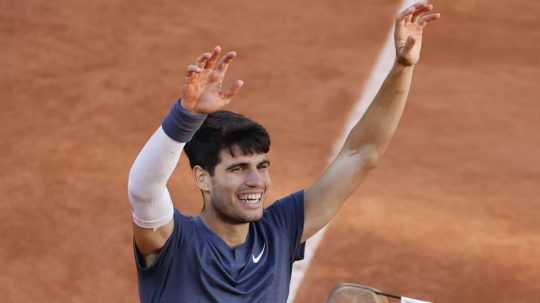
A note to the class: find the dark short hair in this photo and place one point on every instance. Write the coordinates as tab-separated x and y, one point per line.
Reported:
225	130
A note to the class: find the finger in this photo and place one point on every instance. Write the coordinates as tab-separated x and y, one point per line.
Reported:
225	61
408	18
425	19
201	61
213	57
409	11
192	68
192	73
422	9
219	72
405	13
233	90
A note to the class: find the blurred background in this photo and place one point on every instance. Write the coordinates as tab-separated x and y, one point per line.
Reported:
450	215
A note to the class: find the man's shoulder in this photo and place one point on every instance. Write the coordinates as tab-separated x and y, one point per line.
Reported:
285	210
185	226
295	198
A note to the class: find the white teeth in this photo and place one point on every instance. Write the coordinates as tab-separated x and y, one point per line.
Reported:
250	198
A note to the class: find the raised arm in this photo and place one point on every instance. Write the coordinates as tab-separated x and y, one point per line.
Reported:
369	138
151	205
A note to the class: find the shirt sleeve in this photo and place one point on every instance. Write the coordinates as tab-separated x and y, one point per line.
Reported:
165	256
287	214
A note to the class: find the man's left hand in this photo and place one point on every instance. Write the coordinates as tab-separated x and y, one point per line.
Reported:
408	32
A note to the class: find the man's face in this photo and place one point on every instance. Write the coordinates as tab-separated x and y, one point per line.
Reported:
239	185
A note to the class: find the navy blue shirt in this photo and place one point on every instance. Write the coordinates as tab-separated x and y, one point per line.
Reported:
196	265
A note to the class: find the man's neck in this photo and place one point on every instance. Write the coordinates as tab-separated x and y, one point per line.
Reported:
232	234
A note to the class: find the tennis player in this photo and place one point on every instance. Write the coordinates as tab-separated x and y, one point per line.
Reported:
235	250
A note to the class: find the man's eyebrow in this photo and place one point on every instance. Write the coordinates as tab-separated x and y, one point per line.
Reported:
266	161
243	164
239	164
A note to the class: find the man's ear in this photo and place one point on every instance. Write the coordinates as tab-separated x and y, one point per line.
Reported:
202	178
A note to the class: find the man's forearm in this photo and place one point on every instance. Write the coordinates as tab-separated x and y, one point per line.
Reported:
150	200
379	123
154	165
148	194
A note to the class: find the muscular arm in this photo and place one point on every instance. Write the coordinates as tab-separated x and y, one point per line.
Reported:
370	137
360	153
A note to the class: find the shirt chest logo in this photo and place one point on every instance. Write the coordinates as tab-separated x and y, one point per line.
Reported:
258	258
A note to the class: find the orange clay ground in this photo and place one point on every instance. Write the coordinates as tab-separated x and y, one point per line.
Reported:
450	215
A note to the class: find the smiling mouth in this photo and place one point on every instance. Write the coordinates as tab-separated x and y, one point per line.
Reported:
251	200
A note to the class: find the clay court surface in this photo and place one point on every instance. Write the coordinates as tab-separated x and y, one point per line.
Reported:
450	215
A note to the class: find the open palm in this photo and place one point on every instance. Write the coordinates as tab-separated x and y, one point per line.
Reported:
408	32
203	89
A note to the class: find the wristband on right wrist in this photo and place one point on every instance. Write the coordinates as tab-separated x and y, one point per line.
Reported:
180	124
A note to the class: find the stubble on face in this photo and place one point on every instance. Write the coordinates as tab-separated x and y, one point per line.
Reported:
238	187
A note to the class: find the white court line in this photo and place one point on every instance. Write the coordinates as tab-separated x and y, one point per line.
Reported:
378	74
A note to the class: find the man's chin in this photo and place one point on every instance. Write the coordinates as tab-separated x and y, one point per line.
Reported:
248	218
254	218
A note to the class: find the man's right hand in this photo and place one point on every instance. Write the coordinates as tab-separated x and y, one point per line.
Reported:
203	92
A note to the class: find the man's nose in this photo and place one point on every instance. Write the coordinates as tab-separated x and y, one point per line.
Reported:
255	178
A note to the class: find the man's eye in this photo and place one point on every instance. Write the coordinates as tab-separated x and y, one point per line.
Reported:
235	169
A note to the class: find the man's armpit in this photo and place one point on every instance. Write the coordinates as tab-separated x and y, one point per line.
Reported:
150	260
